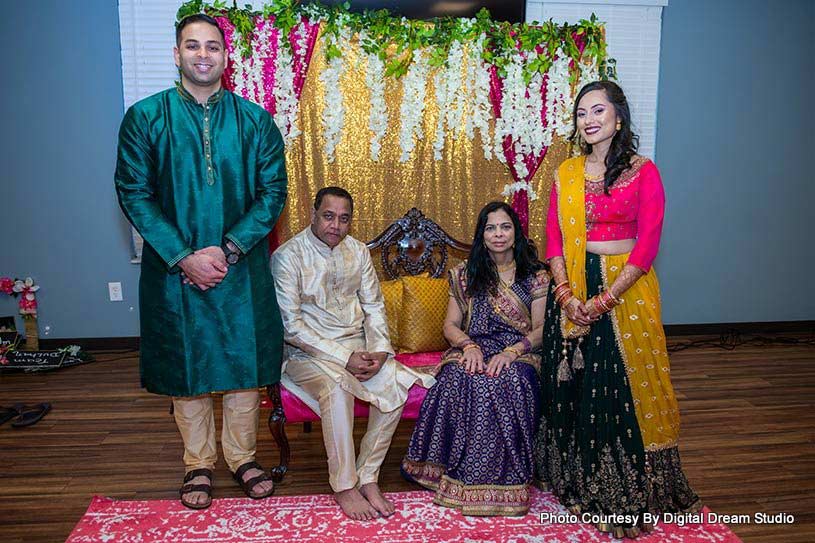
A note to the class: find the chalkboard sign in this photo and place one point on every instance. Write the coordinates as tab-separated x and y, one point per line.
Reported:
34	360
8	340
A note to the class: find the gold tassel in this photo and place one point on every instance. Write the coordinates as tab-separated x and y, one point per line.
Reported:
563	373
577	357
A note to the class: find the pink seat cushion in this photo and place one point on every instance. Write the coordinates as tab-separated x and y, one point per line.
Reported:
297	411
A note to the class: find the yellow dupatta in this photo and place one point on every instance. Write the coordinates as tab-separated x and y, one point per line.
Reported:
636	321
571	208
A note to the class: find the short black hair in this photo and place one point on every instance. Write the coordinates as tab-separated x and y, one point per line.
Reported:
332	191
197	18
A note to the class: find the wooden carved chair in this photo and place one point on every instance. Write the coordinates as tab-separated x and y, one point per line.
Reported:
411	245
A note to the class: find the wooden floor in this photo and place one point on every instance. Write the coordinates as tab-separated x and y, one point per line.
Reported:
747	443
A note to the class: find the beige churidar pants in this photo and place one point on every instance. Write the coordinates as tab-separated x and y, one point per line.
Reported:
196	422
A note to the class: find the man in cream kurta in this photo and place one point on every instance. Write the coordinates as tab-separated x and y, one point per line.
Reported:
338	348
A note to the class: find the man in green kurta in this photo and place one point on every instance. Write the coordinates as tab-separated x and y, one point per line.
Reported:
201	176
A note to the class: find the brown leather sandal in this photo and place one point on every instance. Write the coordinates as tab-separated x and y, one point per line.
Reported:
203	487
248	486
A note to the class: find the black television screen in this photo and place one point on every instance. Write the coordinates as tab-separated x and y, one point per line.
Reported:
513	11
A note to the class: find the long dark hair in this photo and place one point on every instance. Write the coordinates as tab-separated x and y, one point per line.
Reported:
624	143
482	275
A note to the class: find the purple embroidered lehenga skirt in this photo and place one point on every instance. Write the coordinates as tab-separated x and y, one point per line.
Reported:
473	442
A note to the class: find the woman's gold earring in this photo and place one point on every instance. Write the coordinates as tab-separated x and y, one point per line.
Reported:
619	125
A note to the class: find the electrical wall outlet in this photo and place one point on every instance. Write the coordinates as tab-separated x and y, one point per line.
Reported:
115	291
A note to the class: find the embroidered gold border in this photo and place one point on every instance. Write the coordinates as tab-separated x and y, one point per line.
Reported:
485	505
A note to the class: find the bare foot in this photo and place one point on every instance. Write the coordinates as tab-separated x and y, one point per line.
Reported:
355	505
377	499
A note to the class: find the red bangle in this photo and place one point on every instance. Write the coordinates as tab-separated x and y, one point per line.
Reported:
565	299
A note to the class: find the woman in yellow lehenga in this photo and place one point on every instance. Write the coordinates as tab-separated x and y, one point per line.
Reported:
607	442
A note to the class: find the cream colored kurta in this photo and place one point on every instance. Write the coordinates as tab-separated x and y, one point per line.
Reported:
331	306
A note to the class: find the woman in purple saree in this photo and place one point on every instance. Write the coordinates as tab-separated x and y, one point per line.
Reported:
473	441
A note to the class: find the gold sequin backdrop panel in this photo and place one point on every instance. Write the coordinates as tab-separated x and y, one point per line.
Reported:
450	191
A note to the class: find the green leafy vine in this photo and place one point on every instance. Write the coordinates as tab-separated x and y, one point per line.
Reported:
395	38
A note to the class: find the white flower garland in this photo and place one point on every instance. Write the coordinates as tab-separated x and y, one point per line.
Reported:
456	91
451	96
462	94
511	188
440	82
261	42
478	84
513	121
333	114
378	117
286	102
559	99
414	87
236	61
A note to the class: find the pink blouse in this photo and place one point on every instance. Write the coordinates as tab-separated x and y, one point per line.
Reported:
634	209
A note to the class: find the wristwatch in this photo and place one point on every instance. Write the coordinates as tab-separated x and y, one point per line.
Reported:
231	252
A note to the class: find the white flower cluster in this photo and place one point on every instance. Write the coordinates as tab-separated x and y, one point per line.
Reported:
262	44
440	83
378	117
451	97
247	73
588	72
414	87
333	114
237	63
286	102
511	188
478	82
559	99
520	117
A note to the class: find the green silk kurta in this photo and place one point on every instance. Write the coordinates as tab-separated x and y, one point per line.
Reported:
187	176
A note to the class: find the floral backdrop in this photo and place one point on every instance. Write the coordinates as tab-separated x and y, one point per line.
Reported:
443	115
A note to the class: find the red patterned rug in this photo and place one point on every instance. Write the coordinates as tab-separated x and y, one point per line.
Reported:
295	519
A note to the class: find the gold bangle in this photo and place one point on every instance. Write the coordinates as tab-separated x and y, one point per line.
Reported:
513	350
471	346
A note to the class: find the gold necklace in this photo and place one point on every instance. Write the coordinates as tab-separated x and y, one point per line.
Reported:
593	178
505	267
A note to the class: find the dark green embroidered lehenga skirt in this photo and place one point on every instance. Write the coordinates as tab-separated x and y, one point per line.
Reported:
589	450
